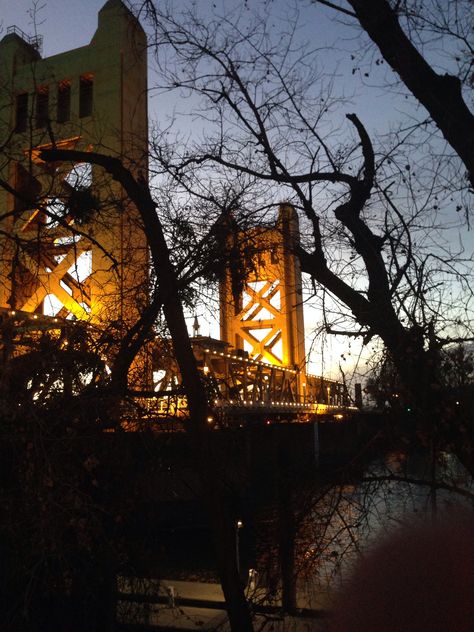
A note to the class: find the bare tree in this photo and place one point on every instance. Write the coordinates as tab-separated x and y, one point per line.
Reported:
222	519
370	239
371	220
401	30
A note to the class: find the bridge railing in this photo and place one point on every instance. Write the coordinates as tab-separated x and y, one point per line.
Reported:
237	383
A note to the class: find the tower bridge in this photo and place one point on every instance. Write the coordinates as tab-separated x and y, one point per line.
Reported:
65	266
239	386
242	386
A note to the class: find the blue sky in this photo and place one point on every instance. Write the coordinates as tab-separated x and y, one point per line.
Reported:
66	24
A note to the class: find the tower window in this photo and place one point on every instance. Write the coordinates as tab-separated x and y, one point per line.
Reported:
42	106
21	114
86	88
64	102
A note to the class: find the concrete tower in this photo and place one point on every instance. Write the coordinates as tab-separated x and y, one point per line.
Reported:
71	244
265	315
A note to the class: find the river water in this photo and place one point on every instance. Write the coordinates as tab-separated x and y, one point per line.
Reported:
348	520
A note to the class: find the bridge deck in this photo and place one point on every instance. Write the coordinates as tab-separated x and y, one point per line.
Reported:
237	384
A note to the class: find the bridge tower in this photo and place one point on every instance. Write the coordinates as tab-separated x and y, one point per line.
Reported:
71	245
263	312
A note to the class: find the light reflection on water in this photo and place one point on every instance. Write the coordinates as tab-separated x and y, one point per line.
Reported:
350	518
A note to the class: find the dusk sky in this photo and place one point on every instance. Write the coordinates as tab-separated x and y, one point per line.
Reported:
236	315
67	24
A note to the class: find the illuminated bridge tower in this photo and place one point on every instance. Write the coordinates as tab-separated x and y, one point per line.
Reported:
71	245
262	313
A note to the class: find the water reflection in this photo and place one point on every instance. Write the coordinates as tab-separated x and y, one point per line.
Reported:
347	520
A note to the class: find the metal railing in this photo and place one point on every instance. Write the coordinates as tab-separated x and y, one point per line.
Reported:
36	41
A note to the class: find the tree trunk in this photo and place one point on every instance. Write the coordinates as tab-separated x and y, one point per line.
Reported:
225	534
440	94
286	532
169	290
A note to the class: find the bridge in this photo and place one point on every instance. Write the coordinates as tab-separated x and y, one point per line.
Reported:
240	387
73	253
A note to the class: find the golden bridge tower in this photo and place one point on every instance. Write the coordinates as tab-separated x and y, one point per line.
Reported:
71	245
264	314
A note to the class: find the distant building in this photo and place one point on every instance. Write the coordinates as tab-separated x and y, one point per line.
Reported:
70	243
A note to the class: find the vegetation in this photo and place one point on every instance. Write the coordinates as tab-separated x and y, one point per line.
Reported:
377	247
376	214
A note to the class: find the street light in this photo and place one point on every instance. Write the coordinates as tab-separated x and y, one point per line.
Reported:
238	525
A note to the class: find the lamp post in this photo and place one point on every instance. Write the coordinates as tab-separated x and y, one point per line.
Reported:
238	525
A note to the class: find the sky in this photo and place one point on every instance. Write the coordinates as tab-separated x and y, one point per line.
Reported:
64	24
67	24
